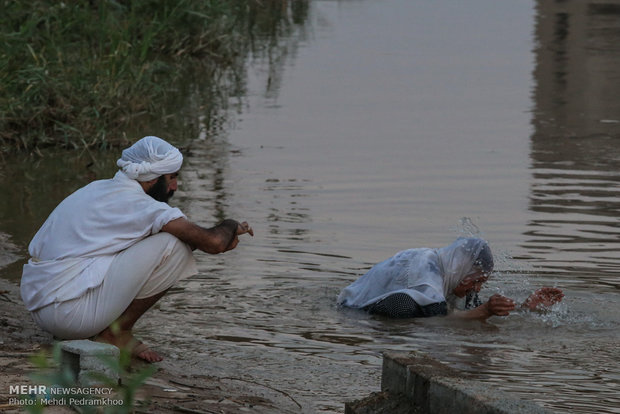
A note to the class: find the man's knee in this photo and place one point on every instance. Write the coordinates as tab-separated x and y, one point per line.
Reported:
165	237
169	244
175	261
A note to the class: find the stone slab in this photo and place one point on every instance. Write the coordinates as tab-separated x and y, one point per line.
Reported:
88	359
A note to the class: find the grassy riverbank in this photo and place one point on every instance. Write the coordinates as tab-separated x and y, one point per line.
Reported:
82	73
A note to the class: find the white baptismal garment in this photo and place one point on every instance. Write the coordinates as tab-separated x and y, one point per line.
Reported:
76	245
427	275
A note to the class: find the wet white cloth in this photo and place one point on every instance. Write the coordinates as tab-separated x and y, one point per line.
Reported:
76	245
156	263
149	158
427	275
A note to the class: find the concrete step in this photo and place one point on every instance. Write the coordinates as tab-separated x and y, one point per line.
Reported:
86	359
416	383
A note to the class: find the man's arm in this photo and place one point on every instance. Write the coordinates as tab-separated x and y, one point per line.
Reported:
214	240
499	305
496	305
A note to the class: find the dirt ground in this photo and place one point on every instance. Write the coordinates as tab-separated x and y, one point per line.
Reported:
169	390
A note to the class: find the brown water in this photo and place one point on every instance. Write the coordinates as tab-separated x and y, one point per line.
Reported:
379	126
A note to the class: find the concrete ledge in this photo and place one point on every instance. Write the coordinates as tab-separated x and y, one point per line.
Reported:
85	358
415	383
381	403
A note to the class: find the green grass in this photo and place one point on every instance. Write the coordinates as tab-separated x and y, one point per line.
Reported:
84	73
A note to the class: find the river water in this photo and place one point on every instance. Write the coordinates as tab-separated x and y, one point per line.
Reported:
374	127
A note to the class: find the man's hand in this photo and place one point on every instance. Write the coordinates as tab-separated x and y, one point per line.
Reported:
500	305
242	228
496	305
543	299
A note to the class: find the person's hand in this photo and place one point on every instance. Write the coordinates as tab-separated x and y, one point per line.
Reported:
242	228
543	299
496	305
500	305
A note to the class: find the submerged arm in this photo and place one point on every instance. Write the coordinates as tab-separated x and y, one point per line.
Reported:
496	305
499	305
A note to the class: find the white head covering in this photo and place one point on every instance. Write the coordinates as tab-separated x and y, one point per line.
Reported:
149	158
427	275
458	260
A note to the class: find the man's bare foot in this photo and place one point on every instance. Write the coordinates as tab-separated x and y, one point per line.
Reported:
142	351
126	340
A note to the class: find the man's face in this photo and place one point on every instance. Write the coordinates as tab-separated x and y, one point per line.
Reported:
471	282
164	187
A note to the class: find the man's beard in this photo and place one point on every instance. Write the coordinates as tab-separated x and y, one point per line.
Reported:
159	191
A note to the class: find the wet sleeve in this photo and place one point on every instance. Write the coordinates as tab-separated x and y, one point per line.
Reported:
434	309
401	305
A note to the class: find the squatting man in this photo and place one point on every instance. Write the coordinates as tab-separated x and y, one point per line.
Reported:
112	249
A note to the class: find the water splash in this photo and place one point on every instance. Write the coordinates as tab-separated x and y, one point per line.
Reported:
509	278
558	315
467	228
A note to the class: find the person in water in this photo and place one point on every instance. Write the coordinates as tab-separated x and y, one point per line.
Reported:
427	282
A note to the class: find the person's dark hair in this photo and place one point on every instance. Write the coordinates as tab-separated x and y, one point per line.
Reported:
484	261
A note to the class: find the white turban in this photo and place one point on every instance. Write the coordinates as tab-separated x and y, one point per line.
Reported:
150	158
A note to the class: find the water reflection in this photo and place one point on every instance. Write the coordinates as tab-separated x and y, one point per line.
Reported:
575	151
280	34
215	91
198	119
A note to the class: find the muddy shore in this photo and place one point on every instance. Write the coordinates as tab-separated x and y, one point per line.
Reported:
169	390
